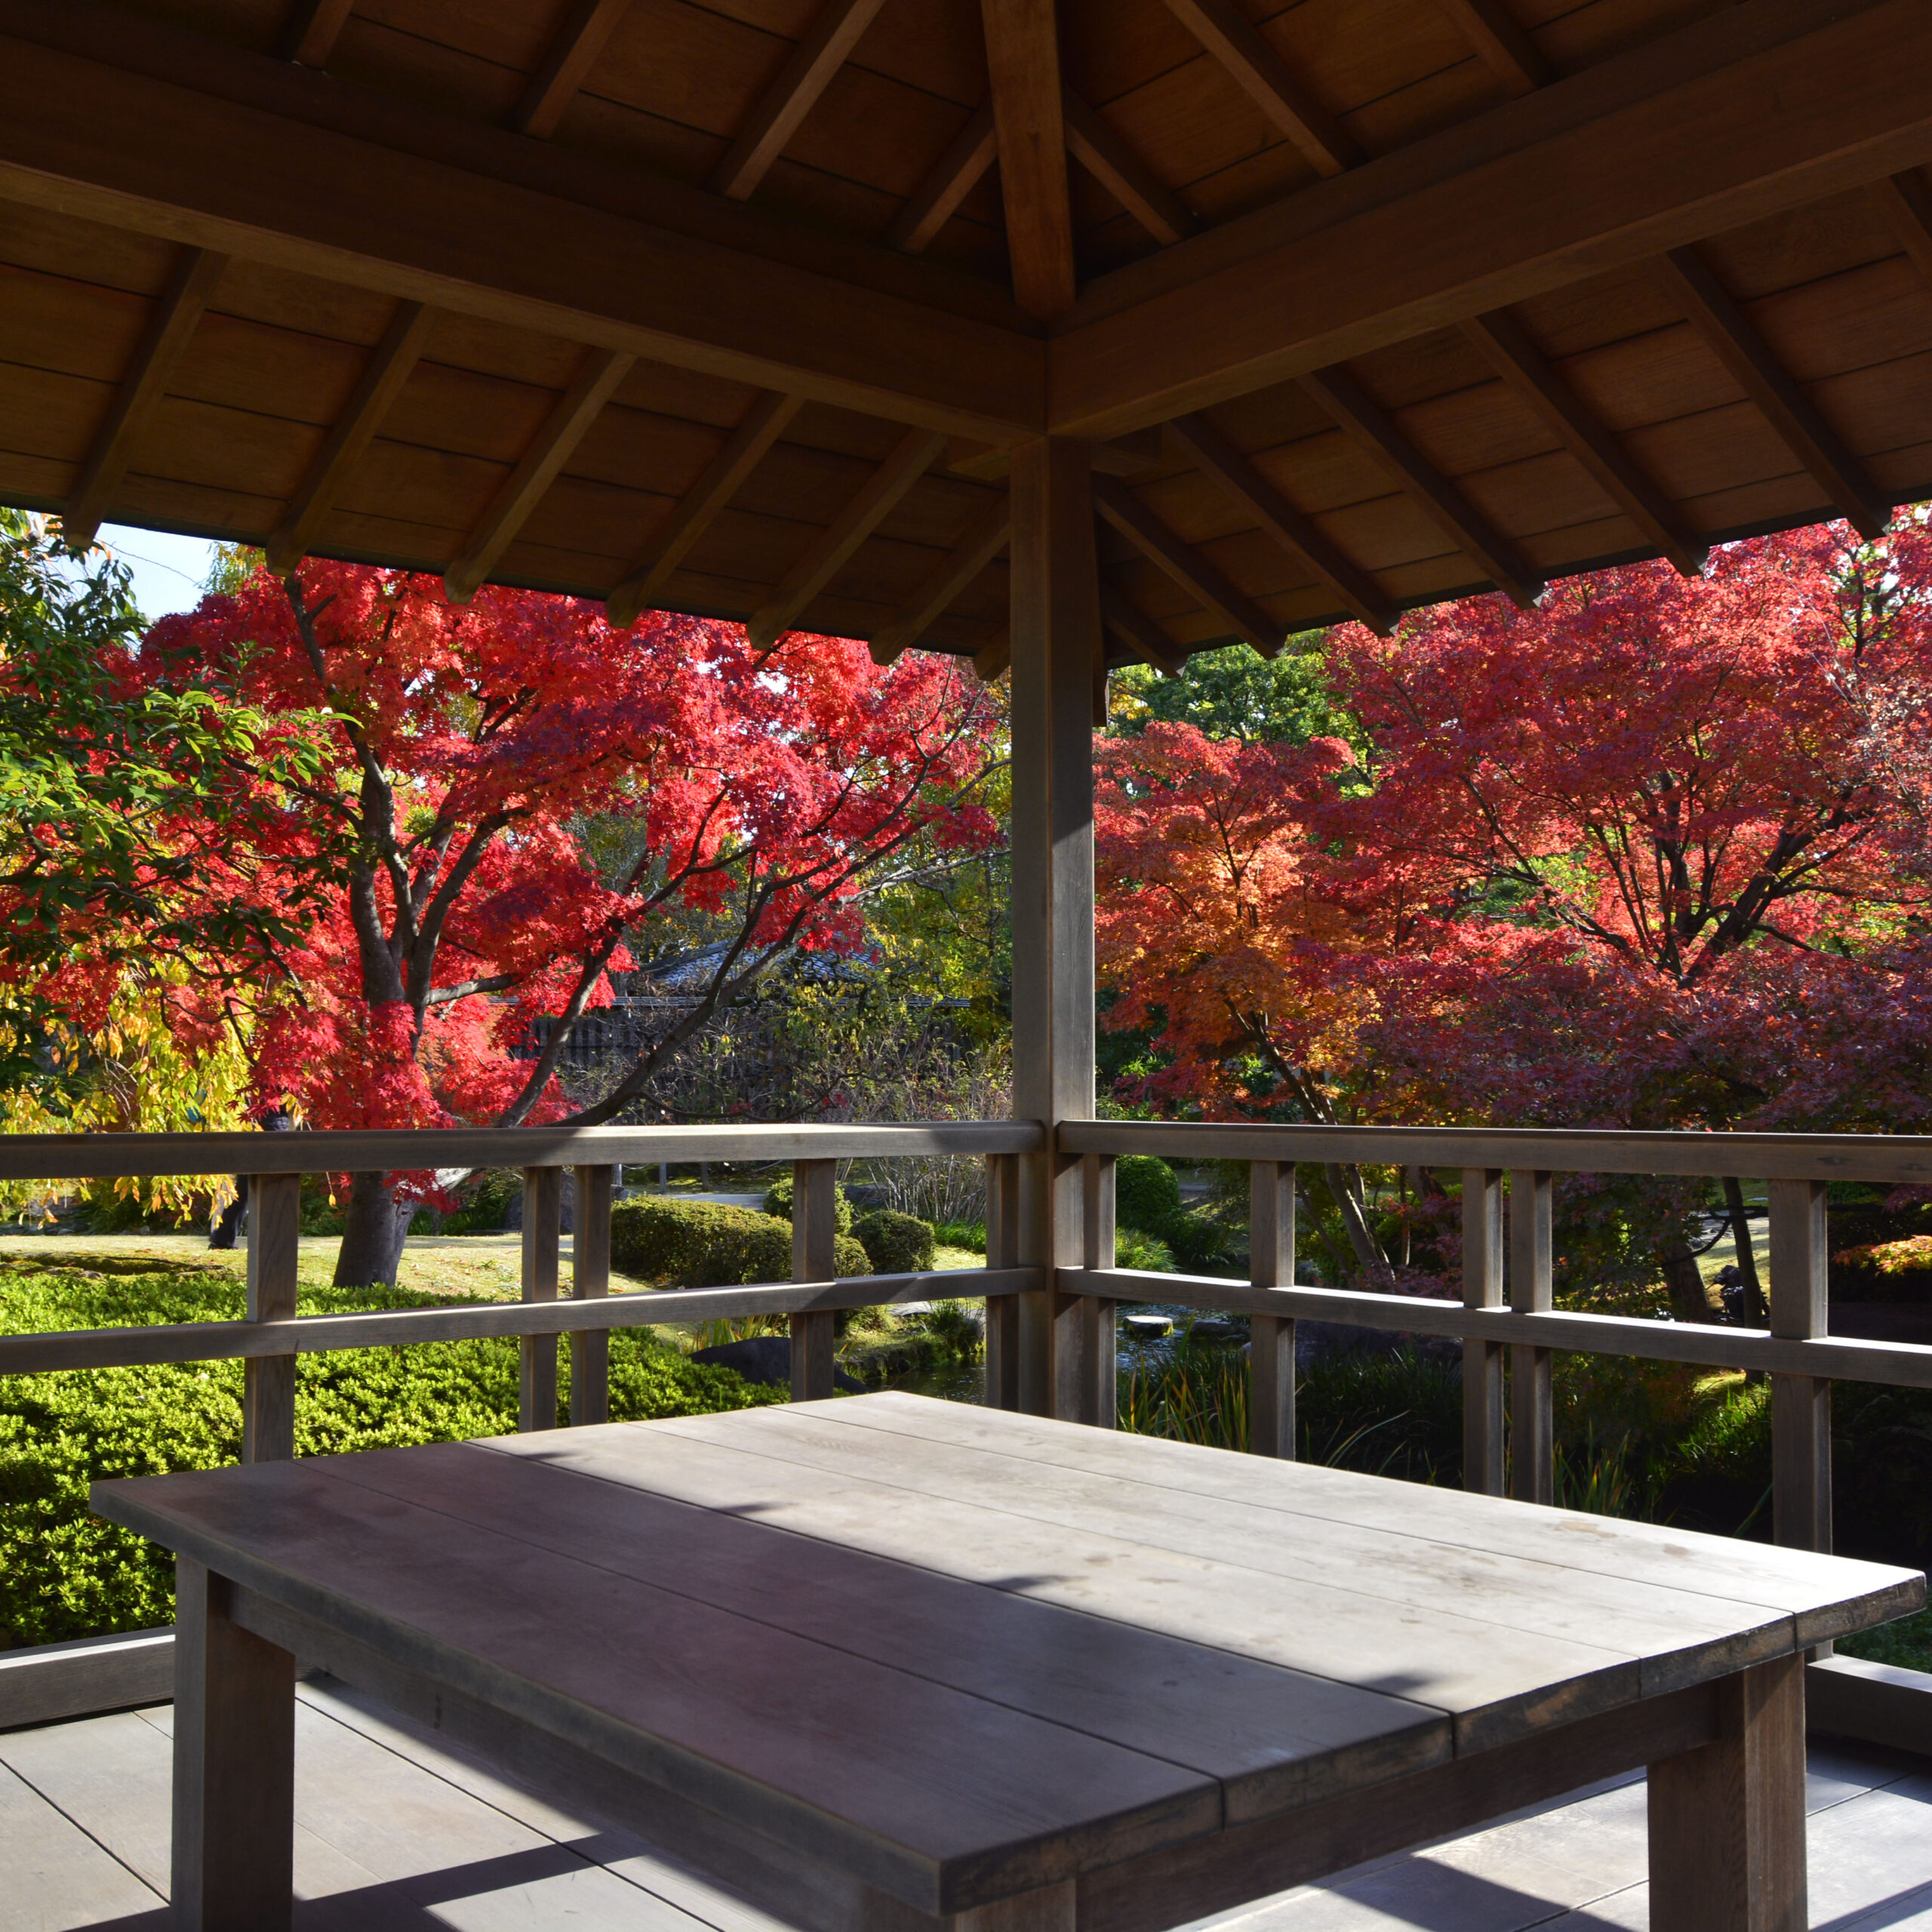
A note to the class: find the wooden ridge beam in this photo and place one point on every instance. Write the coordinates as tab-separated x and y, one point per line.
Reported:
954	175
1022	58
984	539
1506	344
566	67
1231	39
792	94
185	138
1363	418
721	480
1218	459
1741	116
577	409
1500	44
177	313
310	36
1716	315
912	457
1202	580
1907	204
1140	632
1124	174
390	363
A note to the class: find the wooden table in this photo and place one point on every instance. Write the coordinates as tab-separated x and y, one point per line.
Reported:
887	1662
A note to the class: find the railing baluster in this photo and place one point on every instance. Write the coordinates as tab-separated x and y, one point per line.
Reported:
590	1280
814	1258
1002	1335
1800	1404
268	1382
536	1355
1271	1347
1532	1415
1097	1354
1482	1361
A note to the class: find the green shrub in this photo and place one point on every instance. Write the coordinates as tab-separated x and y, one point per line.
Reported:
897	1244
1146	1194
64	1572
970	1235
705	1244
1132	1249
778	1201
485	1211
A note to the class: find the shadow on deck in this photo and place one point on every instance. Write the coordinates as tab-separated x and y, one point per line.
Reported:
395	1833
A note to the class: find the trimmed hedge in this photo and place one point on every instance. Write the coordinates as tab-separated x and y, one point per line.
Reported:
705	1244
778	1201
897	1244
64	1572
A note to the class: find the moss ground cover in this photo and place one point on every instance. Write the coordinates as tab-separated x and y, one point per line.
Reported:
65	1574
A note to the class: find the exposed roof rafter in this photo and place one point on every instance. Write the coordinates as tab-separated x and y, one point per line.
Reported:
1907	205
912	457
954	177
308	38
1217	459
1501	45
567	65
792	95
388	368
1139	632
177	313
1124	174
1364	419
721	479
1238	45
1202	580
1023	57
1505	344
578	406
983	540
1714	313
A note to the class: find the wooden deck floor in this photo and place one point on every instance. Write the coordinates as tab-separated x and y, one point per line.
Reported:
396	1834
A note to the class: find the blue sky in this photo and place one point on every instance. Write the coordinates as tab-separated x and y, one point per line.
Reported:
168	571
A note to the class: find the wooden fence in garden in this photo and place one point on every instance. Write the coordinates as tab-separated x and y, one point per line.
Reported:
1507	1176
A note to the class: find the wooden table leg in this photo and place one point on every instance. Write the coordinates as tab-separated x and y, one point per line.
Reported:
234	1766
1728	1819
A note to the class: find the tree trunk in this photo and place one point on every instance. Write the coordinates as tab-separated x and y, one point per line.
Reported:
372	1241
1689	1301
1367	1250
1747	1259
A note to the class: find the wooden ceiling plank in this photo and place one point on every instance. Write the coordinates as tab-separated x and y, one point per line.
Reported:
1506	344
912	457
1023	57
955	175
308	38
1202	580
388	368
1140	632
792	95
721	479
1217	458
1501	45
1124	174
974	551
523	489
1237	44
177	313
567	66
1357	412
1907	203
1714	313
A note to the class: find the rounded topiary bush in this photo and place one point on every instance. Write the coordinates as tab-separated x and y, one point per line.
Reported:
897	1244
705	1244
778	1201
1146	1192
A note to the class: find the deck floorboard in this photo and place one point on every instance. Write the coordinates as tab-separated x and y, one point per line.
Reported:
396	1832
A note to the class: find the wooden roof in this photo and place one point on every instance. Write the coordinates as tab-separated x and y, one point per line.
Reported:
737	307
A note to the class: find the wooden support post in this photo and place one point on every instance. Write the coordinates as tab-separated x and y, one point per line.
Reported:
1800	1404
590	1279
1093	1359
234	1766
1727	1820
814	1258
542	1220
1532	1414
1271	1343
268	1382
1482	1361
1055	590
1002	1338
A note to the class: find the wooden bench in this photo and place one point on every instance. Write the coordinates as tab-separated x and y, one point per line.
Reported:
887	1662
